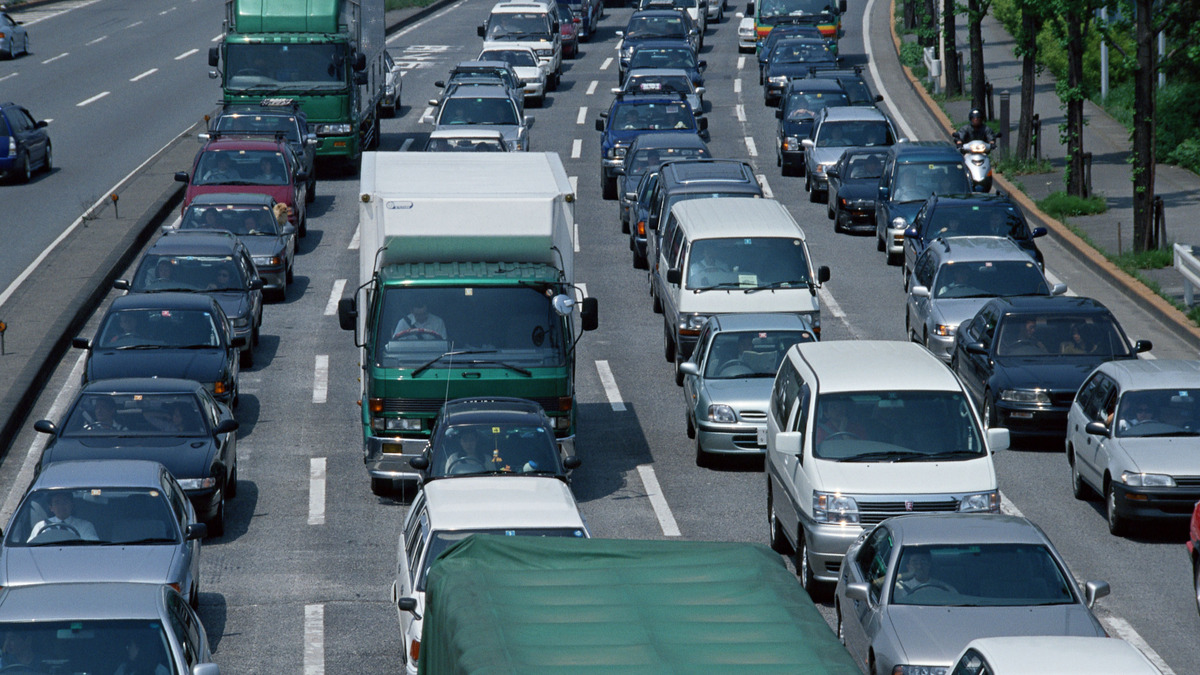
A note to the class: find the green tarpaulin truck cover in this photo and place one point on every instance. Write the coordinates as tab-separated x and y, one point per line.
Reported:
505	605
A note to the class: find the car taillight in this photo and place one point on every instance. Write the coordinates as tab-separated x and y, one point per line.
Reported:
641	228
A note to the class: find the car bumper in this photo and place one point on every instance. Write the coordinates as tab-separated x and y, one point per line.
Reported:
773	91
748	43
941	346
273	278
1031	422
792	157
730	439
247	333
827	545
610	164
818	181
894	240
387	456
1155	502
534	89
638	246
204	502
9	162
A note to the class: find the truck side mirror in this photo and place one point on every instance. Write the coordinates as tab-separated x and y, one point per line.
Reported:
674	276
590	314
347	313
420	462
214	56
360	78
360	62
80	343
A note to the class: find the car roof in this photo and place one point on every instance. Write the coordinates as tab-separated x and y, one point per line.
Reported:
962	528
710	174
660	72
501	47
231	141
141	385
973	198
490	502
916	152
512	7
82	601
470	410
96	473
165	300
761	321
1154	373
1063	654
814	84
852	113
730	217
481	91
663	43
232	198
196	242
467	132
655	12
1042	304
667	140
874	365
478	64
977	248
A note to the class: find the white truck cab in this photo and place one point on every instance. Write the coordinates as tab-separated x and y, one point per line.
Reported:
527	23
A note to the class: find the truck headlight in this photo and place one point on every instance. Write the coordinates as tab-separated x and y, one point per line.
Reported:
1147	479
1026	396
395	424
241	322
562	423
691	325
791	143
829	507
721	413
333	129
984	502
198	483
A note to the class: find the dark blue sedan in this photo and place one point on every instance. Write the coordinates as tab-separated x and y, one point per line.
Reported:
24	143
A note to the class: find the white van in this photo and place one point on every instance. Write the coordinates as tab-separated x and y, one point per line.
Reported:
731	255
532	24
862	430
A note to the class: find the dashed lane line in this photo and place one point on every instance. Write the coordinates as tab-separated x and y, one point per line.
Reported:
316	491
737	85
739	111
88	101
93	41
582	116
606	64
610	386
148	73
186	54
335	295
320	378
576	148
314	640
592	87
666	520
52	59
751	149
766	187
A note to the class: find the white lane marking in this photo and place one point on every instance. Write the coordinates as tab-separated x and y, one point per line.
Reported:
186	54
166	11
16	283
314	639
1121	627
741	62
828	302
739	111
52	59
335	295
354	240
582	289
406	144
148	73
610	386
606	64
666	520
217	38
99	39
427	114
316	491
8	76
766	187
321	378
576	148
51	15
576	246
93	99
25	475
135	24
574	181
592	87
751	149
882	90
737	86
394	36
582	116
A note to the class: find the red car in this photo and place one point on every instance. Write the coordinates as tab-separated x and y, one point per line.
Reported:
250	165
1194	551
569	28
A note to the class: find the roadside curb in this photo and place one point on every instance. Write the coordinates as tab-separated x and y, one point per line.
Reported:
1171	316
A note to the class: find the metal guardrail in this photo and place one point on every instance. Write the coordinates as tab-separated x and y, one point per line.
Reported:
1188	264
933	66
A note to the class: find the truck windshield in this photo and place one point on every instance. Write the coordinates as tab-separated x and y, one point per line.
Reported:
510	326
274	67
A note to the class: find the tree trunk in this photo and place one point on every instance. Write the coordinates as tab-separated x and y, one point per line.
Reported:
975	13
949	52
1144	112
1074	99
928	29
1030	27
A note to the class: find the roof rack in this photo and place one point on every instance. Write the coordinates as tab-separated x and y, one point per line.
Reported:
813	70
622	95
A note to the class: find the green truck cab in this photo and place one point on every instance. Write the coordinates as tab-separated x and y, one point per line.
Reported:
466	291
327	55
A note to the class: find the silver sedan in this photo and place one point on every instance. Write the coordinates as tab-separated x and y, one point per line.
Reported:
914	590
13	38
104	520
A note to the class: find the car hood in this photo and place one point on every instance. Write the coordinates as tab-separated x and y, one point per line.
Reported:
235	303
859	188
42	564
737	301
948	477
533	43
793	70
263	244
935	635
954	311
529	73
510	132
1172	455
826	155
281	193
1055	373
184	457
201	365
744	392
905	210
798	127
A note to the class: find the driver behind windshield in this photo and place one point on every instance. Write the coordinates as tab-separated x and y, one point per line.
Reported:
62	505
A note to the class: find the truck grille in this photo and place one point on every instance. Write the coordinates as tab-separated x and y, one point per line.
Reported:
433	405
871	513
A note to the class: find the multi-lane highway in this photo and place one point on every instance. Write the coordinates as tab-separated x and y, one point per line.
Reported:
300	582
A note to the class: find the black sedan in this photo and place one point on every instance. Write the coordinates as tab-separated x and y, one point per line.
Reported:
183	335
174	422
645	154
791	59
489	436
660	53
969	215
787	30
853	189
798	107
1022	362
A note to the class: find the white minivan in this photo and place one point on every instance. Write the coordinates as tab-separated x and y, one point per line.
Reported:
862	430
731	255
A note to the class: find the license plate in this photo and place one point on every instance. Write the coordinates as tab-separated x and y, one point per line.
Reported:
762	437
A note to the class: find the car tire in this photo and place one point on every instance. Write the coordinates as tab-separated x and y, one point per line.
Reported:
194	597
655	303
48	163
814	195
310	195
829	206
231	484
879	246
668	344
1196	582
838	225
1079	489
1116	522
608	186
25	171
381	487
216	527
639	262
804	570
291	272
25	45
989	412
246	358
691	427
777	538
703	459
895	259
808	185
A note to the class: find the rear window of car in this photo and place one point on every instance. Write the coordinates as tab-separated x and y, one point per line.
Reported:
953	220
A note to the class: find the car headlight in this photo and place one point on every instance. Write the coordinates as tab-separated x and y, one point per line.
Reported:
562	423
791	143
1147	479
745	31
198	483
721	413
899	223
984	502
1026	396
513	145
778	79
544	52
944	330
333	129
268	260
626	52
241	322
617	152
829	507
906	669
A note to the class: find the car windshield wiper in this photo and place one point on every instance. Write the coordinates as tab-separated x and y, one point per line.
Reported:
195	347
148	540
1165	434
887	456
224	290
713	287
172	289
805	283
934	456
70	542
421	368
121	349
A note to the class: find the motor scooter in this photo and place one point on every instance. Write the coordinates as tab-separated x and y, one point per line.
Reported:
979	164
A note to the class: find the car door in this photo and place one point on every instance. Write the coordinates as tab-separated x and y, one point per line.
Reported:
960	362
976	369
181	510
869	566
919	307
226	454
676	254
34	137
692	384
408	571
250	273
1083	410
1094	453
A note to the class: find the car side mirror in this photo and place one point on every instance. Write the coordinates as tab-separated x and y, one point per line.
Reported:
440	84
121	284
1058	289
206	669
238	342
702	66
620	33
571	463
80	343
616	90
976	348
700	91
600	125
998	438
832	171
226	427
788	443
689	368
860	592
408	605
181	176
256	284
45	427
301	176
1094	590
884	192
214	56
589	314
807	143
878	98
529	120
1142	346
919	291
1038	232
433	102
347	313
674	276
481	30
287	230
822	274
910	233
779	113
41	124
1096	429
420	462
196	531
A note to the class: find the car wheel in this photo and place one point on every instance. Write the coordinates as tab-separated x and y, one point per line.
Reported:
231	485
703	459
48	164
194	598
25	170
808	185
814	195
655	304
1079	489
1196	582
246	358
878	241
302	226
381	487
829	206
624	227
989	414
778	539
804	570
1116	522
291	273
841	632
904	277
25	45
691	427
310	195
608	186
639	262
895	258
216	528
668	344
838	217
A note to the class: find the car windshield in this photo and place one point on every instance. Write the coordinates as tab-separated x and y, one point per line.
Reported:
795	51
916	181
1091	335
465	145
896	426
663	57
741	354
980	575
486	111
145	328
805	105
747	263
514	57
241	167
773	9
856	90
135	415
86	646
864	165
849	134
1159	412
271	67
659	84
159	273
471	327
656	26
240	220
465	449
989	279
651	157
93	517
652	117
440	540
518	26
975	220
246	123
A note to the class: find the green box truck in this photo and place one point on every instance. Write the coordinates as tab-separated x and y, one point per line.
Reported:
325	54
466	266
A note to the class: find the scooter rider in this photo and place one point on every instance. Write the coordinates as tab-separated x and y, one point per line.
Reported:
975	130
